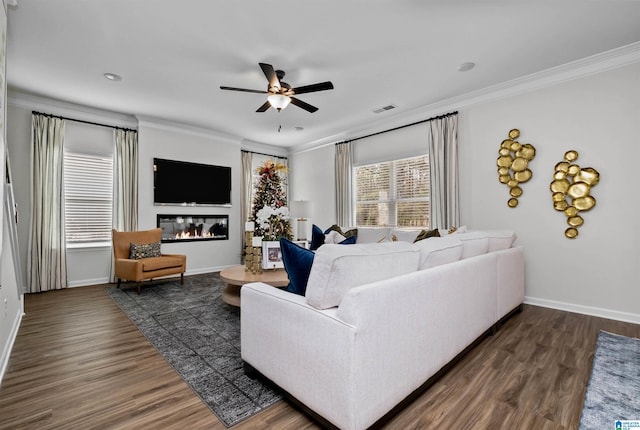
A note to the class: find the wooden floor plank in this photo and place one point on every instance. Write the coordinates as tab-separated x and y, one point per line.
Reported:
79	363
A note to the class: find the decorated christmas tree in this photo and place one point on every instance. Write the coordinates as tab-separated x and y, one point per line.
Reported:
269	210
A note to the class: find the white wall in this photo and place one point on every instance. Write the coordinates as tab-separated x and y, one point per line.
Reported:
312	178
88	266
596	115
184	144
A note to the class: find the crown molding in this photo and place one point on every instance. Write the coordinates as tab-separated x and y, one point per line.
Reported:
252	146
71	110
599	63
177	127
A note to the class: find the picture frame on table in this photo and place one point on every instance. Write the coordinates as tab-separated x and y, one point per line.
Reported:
272	255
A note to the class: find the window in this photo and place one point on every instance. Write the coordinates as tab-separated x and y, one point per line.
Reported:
393	193
88	189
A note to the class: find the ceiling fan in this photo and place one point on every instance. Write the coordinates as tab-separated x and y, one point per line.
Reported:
281	93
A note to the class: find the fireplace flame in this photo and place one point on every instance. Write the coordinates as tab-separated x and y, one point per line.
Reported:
188	235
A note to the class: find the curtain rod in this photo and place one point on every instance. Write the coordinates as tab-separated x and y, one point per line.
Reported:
399	127
83	121
262	153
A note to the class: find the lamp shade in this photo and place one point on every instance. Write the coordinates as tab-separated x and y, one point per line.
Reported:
278	101
300	208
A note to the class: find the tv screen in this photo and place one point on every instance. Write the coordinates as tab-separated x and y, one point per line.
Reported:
185	183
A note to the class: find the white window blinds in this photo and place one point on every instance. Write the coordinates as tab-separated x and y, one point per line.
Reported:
88	187
393	193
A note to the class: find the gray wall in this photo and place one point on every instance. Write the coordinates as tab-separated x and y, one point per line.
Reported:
596	115
87	266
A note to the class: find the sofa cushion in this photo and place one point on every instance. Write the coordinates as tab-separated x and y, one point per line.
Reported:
500	239
373	234
297	262
401	235
145	250
336	269
439	250
333	237
473	243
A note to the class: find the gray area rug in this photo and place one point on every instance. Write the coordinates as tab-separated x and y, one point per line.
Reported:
613	393
199	335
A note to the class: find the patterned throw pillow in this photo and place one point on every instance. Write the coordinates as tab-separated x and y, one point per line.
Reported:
147	250
346	234
425	234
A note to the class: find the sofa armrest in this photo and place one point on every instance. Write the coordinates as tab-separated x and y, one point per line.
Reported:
127	268
306	351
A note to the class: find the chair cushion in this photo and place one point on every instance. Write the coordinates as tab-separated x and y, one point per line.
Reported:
157	263
336	269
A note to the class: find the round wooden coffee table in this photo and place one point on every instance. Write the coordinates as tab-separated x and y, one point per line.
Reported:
236	277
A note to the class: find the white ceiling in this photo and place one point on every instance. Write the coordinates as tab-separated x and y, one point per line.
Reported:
174	55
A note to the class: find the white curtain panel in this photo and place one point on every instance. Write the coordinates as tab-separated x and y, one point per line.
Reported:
245	188
125	180
443	158
344	167
47	264
125	184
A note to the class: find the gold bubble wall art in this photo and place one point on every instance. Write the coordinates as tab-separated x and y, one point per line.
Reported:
571	191
513	165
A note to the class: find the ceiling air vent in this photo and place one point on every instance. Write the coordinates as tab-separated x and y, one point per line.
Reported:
385	108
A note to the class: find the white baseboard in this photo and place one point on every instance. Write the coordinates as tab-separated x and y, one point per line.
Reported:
87	282
6	350
98	281
587	310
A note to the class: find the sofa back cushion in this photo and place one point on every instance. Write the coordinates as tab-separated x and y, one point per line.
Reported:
473	243
336	268
373	234
500	239
436	251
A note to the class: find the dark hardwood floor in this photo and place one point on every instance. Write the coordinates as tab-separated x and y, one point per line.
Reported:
79	363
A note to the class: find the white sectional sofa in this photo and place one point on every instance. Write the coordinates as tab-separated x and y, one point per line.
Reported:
379	321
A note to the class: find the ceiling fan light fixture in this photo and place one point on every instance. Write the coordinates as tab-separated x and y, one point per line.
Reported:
278	101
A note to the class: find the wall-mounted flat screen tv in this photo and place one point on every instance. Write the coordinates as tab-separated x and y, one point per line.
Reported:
190	184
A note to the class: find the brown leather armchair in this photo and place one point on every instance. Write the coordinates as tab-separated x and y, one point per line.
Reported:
144	268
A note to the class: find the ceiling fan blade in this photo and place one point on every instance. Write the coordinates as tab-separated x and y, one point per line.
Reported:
322	86
270	74
264	107
303	105
243	89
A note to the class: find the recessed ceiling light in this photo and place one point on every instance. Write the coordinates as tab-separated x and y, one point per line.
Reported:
466	66
113	77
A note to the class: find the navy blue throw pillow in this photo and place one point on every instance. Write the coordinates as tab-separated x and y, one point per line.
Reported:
351	240
317	238
297	262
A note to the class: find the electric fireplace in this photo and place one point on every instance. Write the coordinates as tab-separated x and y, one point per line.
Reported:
190	228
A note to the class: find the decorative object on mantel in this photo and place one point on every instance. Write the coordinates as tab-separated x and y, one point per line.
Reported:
513	165
270	209
571	191
252	250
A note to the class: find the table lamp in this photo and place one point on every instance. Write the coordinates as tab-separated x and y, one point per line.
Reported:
300	210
